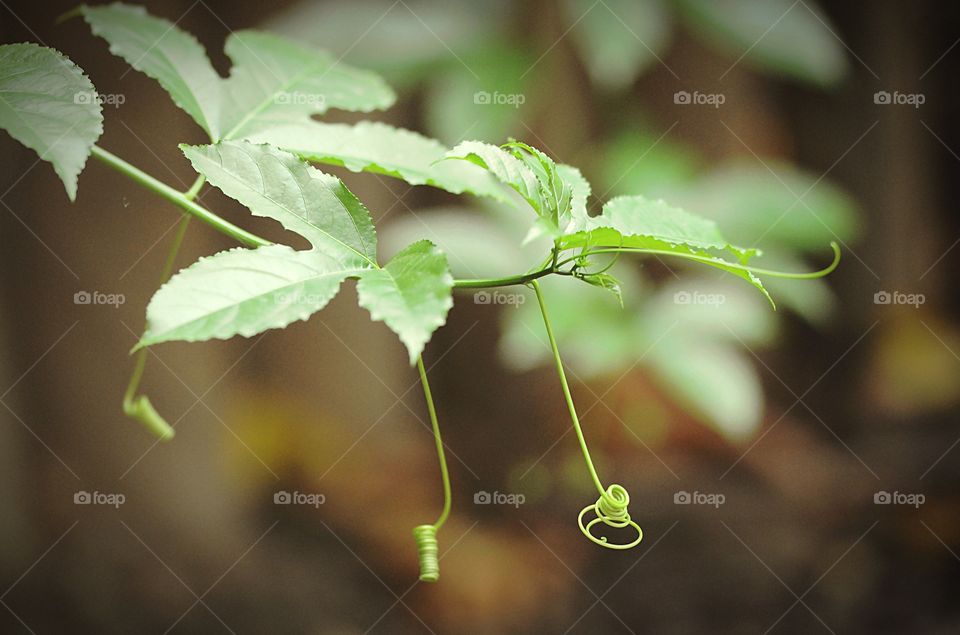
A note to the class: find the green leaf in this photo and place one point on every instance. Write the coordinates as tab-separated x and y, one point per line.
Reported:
164	52
714	381
580	189
243	292
508	169
760	202
605	281
278	185
618	39
639	223
411	294
382	149
783	36
557	193
49	105
273	80
490	104
642	222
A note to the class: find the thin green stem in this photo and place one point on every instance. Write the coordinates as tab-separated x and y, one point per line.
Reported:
180	199
139	407
566	389
482	283
444	474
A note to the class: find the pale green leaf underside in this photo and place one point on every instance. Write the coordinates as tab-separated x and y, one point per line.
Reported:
411	294
160	50
713	380
382	149
276	184
49	105
242	292
273	80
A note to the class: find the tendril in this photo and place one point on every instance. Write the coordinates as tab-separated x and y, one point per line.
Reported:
611	508
708	260
426	535
138	406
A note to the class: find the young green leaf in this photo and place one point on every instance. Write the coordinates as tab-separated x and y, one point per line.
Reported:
605	281
635	221
243	292
580	192
411	294
377	147
279	185
508	169
557	193
49	105
273	80
164	52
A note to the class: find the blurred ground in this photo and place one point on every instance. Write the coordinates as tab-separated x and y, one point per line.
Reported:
851	399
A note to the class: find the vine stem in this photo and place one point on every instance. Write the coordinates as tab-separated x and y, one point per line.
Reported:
566	388
185	202
179	199
731	265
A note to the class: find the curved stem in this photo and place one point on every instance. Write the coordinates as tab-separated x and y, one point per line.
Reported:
444	474
180	199
566	389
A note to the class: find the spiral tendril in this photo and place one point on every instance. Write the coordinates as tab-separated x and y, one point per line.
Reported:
426	537
611	510
611	507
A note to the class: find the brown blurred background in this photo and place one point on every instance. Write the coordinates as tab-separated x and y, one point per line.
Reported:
801	420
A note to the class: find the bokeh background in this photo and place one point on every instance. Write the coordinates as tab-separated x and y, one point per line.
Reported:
800	421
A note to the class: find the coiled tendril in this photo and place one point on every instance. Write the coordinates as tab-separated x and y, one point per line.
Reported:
426	537
611	508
